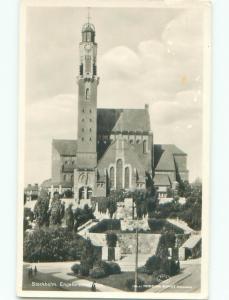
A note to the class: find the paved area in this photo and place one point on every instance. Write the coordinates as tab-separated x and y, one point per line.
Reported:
127	264
58	272
186	282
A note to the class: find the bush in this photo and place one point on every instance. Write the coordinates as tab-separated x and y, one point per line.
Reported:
153	264
97	272
131	282
170	267
144	270
84	269
103	265
75	268
108	268
114	268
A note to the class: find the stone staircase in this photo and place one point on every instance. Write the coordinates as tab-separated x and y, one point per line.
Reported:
84	229
127	263
181	224
147	243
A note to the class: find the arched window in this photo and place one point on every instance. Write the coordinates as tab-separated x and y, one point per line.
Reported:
65	177
144	146
82	129
112	177
127	177
72	177
87	94
119	173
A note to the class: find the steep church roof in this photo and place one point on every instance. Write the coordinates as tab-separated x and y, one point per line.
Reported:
121	120
161	180
65	147
164	156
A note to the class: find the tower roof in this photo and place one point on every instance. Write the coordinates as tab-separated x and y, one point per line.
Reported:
88	27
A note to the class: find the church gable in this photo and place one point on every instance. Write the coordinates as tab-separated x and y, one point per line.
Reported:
121	159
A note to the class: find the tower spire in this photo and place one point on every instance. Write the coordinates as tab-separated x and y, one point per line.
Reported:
88	15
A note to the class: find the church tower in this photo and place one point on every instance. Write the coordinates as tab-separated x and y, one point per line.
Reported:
87	100
86	161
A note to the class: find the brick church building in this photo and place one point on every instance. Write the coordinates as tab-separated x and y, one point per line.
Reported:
114	148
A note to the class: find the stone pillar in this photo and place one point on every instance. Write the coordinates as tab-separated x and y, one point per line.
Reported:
60	189
117	253
104	253
85	192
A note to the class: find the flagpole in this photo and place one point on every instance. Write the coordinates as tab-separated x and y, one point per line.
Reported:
136	261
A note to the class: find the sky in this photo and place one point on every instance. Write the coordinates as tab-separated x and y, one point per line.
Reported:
145	55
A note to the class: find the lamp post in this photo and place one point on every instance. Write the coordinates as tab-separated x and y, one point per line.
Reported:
136	261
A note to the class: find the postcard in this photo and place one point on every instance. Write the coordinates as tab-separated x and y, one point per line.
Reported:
114	149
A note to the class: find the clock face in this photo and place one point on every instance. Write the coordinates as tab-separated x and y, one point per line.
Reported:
88	47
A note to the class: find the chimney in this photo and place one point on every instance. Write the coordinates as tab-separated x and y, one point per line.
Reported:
146	106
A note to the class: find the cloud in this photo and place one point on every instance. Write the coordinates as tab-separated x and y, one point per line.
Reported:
47	119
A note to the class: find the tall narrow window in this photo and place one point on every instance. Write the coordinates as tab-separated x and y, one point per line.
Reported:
81	69
144	146
112	177
88	63
87	94
127	177
119	173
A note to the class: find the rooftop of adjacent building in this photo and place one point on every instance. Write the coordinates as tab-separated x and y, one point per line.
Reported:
32	187
164	156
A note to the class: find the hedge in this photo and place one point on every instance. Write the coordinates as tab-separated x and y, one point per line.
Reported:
106	224
157	225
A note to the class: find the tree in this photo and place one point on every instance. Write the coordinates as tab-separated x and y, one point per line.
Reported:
111	206
41	208
56	210
153	263
87	258
52	244
28	214
69	217
184	189
111	238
